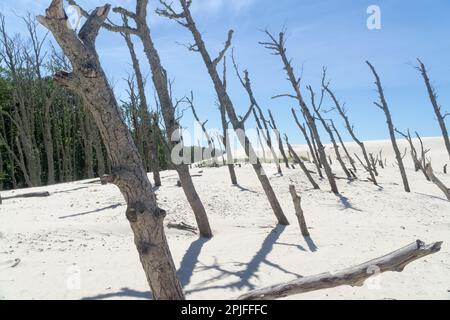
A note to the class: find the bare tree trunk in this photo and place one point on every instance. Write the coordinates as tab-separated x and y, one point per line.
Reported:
278	47
302	165
299	211
353	276
384	106
327	128
265	133
101	170
350	158
342	112
89	80
225	135
160	81
437	109
437	182
280	141
308	141
225	100
417	163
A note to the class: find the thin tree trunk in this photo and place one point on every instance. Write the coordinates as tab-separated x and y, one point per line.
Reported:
226	103
437	109
302	165
384	106
278	46
437	182
308	141
350	129
299	211
350	158
160	80
280	141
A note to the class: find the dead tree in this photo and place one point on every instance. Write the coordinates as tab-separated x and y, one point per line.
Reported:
437	108
354	276
349	157
380	159
308	141
161	83
89	80
417	163
273	125
317	110
299	211
264	128
373	163
423	152
278	48
265	134
225	135
209	139
185	19
384	106
438	182
445	169
147	144
302	164
350	128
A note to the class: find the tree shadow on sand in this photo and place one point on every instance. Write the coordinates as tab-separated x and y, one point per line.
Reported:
189	261
249	269
114	206
346	203
123	293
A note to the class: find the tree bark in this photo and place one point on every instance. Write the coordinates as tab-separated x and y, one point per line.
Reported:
89	80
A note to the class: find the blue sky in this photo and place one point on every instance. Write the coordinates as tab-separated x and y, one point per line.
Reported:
330	33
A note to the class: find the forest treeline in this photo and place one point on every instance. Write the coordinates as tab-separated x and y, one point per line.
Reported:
46	134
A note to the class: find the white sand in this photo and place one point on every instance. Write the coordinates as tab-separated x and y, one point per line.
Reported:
82	228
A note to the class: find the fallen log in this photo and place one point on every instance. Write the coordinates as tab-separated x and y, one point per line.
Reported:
353	276
182	226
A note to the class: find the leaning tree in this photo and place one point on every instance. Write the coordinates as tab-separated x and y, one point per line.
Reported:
88	79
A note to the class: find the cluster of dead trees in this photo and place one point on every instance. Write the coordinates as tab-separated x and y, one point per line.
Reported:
46	133
131	152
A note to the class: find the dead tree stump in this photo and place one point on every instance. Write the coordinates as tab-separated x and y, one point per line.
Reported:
299	211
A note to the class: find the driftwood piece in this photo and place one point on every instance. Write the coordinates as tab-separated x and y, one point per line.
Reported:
182	226
299	211
353	276
437	182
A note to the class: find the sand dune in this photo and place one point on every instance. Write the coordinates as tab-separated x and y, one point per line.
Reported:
77	244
